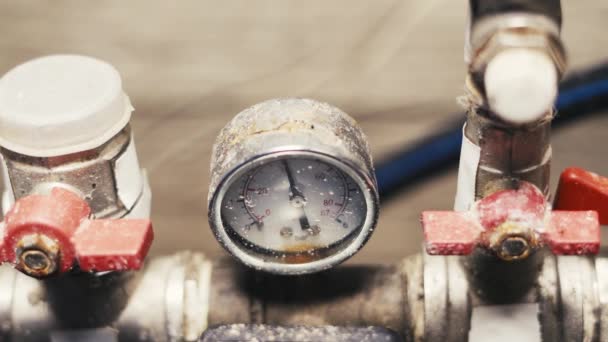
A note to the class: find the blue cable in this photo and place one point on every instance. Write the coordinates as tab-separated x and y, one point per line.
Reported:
421	158
571	97
435	152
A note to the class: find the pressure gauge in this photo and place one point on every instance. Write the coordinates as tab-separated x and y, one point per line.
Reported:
292	187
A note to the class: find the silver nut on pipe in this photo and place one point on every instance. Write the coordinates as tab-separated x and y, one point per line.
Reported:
493	35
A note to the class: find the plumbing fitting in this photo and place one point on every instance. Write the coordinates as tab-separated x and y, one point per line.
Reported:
566	302
50	234
167	300
507	132
64	121
496	156
75	201
514	52
500	147
422	298
515	59
506	146
512	224
68	159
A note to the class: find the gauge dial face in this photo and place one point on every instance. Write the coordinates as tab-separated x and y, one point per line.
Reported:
295	209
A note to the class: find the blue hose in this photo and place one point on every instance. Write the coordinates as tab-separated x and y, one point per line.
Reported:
411	164
582	93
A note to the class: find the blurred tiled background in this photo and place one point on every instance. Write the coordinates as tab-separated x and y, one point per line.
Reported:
189	66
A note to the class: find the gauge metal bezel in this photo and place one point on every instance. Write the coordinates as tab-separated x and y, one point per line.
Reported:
357	174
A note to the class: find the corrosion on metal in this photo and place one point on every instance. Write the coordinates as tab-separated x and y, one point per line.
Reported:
37	255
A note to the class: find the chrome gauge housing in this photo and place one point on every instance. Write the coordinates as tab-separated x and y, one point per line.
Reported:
293	189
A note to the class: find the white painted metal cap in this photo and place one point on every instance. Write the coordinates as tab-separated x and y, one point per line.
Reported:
521	85
61	104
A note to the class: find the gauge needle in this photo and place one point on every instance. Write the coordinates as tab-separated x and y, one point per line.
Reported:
296	197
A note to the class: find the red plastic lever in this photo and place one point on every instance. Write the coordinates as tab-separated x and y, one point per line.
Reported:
579	189
47	234
511	222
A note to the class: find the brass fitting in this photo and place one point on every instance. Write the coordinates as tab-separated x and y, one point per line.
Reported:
37	255
513	241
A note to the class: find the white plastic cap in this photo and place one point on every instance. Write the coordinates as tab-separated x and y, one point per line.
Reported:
61	104
521	85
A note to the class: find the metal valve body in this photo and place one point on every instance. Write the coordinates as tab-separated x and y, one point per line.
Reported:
48	234
76	206
512	223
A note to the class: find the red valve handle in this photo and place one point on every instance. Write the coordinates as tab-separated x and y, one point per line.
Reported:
512	223
47	234
579	189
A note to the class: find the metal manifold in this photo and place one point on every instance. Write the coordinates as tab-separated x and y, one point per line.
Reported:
293	194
